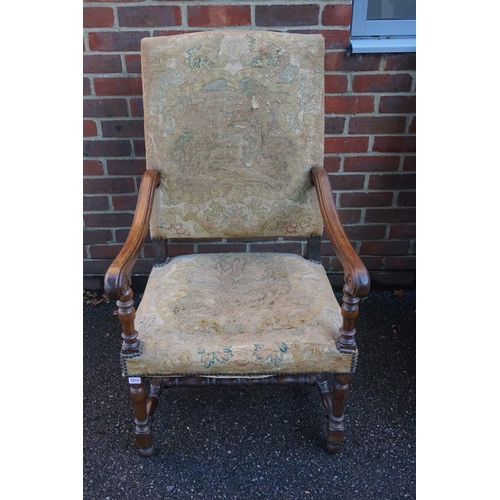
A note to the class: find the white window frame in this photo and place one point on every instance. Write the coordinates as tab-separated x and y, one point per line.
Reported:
380	35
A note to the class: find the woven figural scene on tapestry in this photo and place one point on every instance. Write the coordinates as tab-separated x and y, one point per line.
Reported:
236	121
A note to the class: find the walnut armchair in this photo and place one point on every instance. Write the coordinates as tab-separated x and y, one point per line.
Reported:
234	149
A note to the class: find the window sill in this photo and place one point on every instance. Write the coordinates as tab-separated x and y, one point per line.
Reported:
381	45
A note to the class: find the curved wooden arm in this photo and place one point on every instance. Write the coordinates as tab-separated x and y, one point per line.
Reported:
118	277
356	276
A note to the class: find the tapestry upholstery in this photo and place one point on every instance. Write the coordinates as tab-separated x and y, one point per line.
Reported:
232	313
234	121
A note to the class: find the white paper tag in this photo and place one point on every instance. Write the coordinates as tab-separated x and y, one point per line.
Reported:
134	380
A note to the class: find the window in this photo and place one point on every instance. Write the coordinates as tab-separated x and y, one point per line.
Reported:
383	26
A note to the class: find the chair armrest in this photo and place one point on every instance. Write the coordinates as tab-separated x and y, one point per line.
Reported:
118	276
355	274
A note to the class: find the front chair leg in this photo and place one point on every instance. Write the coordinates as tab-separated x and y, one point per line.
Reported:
335	427
143	437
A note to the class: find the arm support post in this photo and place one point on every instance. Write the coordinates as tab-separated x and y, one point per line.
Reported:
357	280
118	277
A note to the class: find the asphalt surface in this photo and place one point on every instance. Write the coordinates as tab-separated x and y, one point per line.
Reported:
261	442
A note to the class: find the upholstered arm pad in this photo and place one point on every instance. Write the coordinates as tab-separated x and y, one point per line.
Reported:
118	277
356	276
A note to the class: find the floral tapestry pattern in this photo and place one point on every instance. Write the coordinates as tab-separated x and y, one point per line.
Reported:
234	122
249	313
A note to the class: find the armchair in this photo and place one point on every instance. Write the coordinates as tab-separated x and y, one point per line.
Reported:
234	149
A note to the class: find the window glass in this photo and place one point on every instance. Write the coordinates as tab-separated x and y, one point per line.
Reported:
391	9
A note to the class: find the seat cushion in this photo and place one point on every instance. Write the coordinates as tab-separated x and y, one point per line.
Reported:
241	314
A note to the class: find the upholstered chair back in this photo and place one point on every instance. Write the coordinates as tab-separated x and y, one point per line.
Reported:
234	122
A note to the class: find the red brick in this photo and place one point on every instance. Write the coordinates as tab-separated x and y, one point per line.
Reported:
221	247
117	41
92	167
331	163
113	1
278	247
86	86
106	148
371	163
357	233
98	17
397	104
118	86
403	231
175	249
109	185
409	163
95	203
149	16
384	247
334	39
94	236
348	104
105	107
147	249
371	263
139	147
407	199
337	15
95	267
137	107
365	199
390	215
133	63
219	15
335	84
338	61
354	233
346	144
412	128
89	128
173	32
108	219
286	15
394	144
102	63
122	128
104	251
126	167
392	181
124	202
349	215
121	235
334	124
326	263
377	125
400	263
401	62
346	181
382	83
143	266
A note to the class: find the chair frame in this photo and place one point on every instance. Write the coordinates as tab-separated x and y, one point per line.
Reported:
117	287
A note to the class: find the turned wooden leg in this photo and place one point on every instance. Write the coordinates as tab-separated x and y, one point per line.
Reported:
154	395
350	310
126	315
143	437
335	427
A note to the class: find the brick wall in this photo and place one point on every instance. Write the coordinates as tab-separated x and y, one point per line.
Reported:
369	127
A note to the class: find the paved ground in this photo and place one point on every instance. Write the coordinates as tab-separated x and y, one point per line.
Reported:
261	442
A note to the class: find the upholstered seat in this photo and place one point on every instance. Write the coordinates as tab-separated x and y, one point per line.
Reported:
238	314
